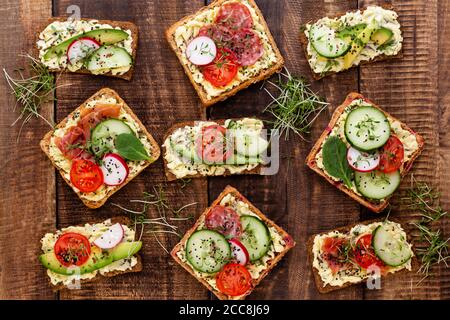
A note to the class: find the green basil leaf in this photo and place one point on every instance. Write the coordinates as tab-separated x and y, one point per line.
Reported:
130	147
334	153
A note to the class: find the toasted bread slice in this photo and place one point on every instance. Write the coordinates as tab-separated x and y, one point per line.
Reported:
289	243
317	76
263	74
124	25
258	170
155	152
99	277
311	159
328	288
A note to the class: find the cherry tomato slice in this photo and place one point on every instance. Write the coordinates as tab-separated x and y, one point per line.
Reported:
234	280
72	249
391	156
364	254
212	145
86	175
222	70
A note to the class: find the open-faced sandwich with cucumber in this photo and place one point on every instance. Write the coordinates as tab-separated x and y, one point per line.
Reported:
215	148
99	47
224	47
336	44
365	152
232	246
100	147
355	253
90	252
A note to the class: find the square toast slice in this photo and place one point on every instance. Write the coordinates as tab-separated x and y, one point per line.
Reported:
154	155
317	76
258	170
312	163
289	244
124	25
263	74
99	277
328	288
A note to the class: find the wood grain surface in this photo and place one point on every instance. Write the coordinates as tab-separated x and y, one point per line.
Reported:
34	200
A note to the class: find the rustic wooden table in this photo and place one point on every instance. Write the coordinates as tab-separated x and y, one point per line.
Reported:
34	199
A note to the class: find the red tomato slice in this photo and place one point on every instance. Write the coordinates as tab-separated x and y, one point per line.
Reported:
234	15
72	249
222	70
224	220
364	254
234	280
391	156
86	175
212	145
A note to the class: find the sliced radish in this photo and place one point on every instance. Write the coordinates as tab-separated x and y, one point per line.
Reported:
362	161
115	169
111	237
201	51
239	252
81	48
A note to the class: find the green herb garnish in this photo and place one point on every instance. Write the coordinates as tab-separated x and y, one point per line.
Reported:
296	106
167	215
130	147
432	249
334	153
31	91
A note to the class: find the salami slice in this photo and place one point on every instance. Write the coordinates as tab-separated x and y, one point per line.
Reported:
224	220
247	46
221	35
235	16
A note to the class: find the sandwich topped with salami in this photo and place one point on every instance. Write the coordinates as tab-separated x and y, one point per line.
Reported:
365	152
232	246
100	147
224	48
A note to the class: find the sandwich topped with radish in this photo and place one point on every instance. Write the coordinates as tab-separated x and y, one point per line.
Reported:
89	252
365	152
100	147
89	46
224	47
232	246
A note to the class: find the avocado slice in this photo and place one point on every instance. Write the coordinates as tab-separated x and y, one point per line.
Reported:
382	36
104	36
99	258
359	43
125	250
351	32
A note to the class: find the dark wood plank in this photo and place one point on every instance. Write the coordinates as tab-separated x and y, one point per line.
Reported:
160	95
411	88
26	176
296	198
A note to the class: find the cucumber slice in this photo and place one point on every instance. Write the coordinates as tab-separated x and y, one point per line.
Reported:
256	237
238	159
367	128
377	185
107	58
389	247
187	153
326	43
250	144
104	134
207	251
